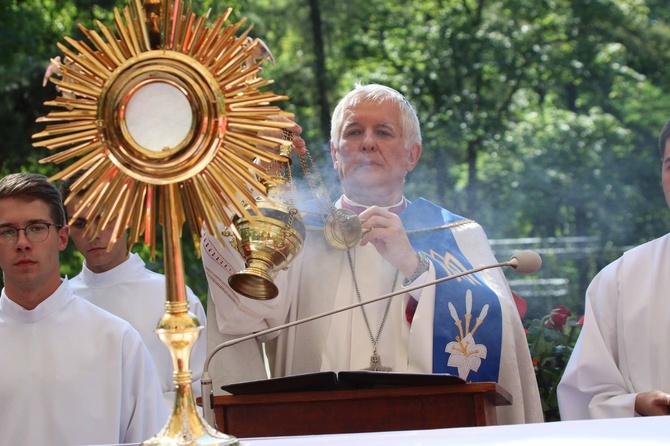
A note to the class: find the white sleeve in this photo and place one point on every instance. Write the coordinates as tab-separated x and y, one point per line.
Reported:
144	412
592	385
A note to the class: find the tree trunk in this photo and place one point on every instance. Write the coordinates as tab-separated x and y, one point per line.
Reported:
320	67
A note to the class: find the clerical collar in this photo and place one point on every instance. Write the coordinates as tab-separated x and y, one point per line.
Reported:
347	203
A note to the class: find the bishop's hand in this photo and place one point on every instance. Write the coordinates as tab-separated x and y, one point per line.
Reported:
290	134
387	234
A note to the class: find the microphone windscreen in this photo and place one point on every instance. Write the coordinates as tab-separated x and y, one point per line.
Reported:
527	262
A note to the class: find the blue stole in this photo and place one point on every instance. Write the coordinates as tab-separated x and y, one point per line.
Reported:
467	326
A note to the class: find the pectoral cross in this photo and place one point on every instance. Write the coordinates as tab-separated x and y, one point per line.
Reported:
376	364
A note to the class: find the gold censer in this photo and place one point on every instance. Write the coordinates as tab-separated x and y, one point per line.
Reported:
270	239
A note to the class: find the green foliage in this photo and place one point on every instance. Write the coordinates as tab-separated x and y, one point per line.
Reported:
550	348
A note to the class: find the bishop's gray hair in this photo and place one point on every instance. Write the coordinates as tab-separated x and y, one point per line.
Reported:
376	94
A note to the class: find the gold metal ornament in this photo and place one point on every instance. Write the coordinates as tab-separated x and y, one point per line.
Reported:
165	116
343	229
268	241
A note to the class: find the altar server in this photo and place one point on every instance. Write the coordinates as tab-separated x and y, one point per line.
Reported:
72	373
620	365
118	281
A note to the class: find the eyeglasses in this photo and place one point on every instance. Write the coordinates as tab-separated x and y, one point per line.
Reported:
35	233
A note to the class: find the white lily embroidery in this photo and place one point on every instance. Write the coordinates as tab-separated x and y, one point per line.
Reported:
464	353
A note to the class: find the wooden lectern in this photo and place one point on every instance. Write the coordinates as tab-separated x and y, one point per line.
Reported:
359	410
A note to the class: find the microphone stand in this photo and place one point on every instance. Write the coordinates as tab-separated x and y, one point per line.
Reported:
206	380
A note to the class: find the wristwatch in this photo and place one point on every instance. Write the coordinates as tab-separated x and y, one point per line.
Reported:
424	265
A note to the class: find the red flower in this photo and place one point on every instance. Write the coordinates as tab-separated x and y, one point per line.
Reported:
557	318
580	322
521	304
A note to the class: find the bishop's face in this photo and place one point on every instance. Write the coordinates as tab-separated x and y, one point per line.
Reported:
371	158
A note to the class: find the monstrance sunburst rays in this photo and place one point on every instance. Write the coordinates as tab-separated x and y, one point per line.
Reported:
187	158
213	165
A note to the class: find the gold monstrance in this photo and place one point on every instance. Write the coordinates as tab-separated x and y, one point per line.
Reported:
164	116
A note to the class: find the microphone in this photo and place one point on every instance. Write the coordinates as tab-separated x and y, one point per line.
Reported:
524	262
